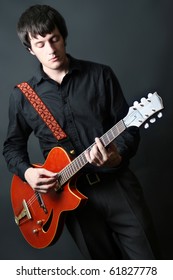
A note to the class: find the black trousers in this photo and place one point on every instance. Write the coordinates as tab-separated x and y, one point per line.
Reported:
115	222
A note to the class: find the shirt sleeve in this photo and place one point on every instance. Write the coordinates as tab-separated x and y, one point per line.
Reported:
15	145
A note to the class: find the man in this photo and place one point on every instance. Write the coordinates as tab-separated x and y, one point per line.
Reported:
86	100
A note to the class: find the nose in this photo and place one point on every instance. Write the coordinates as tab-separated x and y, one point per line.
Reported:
50	47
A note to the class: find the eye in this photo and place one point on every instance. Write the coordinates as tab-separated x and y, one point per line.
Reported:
40	44
55	39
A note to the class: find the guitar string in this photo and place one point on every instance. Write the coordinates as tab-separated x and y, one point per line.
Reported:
80	161
32	199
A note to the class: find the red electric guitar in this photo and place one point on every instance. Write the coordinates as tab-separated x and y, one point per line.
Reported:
41	217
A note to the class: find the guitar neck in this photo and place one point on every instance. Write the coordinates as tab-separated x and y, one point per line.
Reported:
79	162
137	115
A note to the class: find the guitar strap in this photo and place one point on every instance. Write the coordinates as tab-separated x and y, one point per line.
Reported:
46	116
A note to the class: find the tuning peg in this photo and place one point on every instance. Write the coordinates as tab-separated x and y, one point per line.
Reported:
143	100
149	94
160	115
146	125
135	103
152	120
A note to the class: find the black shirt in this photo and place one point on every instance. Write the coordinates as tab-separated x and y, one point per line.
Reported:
87	103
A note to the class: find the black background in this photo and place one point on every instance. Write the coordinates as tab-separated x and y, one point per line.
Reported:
134	37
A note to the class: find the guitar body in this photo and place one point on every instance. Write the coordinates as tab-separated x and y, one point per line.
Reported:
41	217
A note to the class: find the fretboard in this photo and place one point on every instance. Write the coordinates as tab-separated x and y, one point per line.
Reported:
80	161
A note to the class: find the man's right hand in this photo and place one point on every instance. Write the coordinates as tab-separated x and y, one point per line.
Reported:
40	179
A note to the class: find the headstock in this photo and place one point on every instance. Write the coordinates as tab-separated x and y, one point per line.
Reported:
145	110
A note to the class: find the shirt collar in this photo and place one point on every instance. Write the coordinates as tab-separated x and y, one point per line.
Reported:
74	65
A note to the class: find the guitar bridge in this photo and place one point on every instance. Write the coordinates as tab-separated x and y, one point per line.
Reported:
24	213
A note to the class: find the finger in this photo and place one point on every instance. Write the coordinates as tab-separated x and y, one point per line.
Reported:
40	190
87	155
95	155
44	188
45	184
57	186
102	150
92	155
46	173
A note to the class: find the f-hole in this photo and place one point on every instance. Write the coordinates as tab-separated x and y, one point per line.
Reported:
48	223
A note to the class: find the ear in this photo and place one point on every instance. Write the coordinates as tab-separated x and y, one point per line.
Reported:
30	50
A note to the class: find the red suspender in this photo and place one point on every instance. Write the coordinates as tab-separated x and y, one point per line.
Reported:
42	110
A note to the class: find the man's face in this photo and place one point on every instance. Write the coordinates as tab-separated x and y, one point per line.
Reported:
50	50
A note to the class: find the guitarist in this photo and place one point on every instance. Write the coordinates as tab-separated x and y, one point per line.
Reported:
86	100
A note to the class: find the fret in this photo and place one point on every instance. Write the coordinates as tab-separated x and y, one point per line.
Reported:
106	139
73	167
78	164
79	159
112	133
61	179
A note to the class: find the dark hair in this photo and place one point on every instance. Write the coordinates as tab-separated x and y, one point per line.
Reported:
40	20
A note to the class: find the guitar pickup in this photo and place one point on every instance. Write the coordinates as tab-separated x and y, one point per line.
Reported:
24	213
